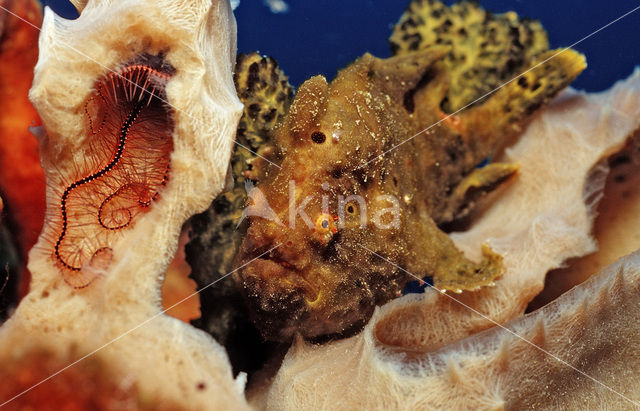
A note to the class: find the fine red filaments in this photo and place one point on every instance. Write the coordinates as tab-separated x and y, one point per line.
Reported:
125	165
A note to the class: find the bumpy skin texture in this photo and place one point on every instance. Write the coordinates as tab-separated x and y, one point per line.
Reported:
413	353
320	280
215	235
486	49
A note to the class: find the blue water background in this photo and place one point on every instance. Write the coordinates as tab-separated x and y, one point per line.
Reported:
321	36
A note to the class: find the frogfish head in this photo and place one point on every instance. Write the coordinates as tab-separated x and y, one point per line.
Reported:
300	266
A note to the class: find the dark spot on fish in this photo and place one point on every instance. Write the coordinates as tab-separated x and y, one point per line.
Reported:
336	173
408	103
426	78
318	137
254	76
530	109
513	64
374	259
254	110
270	115
452	153
414	41
361	177
522	82
221	205
275	75
394	48
408	24
330	252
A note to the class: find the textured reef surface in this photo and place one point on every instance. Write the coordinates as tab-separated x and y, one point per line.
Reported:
372	162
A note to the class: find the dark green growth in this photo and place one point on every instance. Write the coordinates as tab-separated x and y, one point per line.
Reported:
486	49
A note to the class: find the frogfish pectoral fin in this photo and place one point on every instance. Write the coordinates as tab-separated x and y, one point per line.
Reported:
464	275
472	187
437	255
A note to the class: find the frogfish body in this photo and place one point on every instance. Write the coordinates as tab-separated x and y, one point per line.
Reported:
370	167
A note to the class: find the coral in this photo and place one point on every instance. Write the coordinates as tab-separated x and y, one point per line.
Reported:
187	52
616	228
486	49
413	353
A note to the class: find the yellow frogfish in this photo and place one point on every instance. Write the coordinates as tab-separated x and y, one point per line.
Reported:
371	165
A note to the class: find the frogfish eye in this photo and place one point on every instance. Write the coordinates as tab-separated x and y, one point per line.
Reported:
350	208
318	137
326	224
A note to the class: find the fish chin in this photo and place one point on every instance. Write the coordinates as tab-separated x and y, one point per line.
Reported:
288	294
277	297
283	303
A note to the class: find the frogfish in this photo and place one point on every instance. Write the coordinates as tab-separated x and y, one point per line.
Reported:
369	166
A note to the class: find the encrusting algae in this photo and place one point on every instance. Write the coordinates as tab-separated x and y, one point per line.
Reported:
370	166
